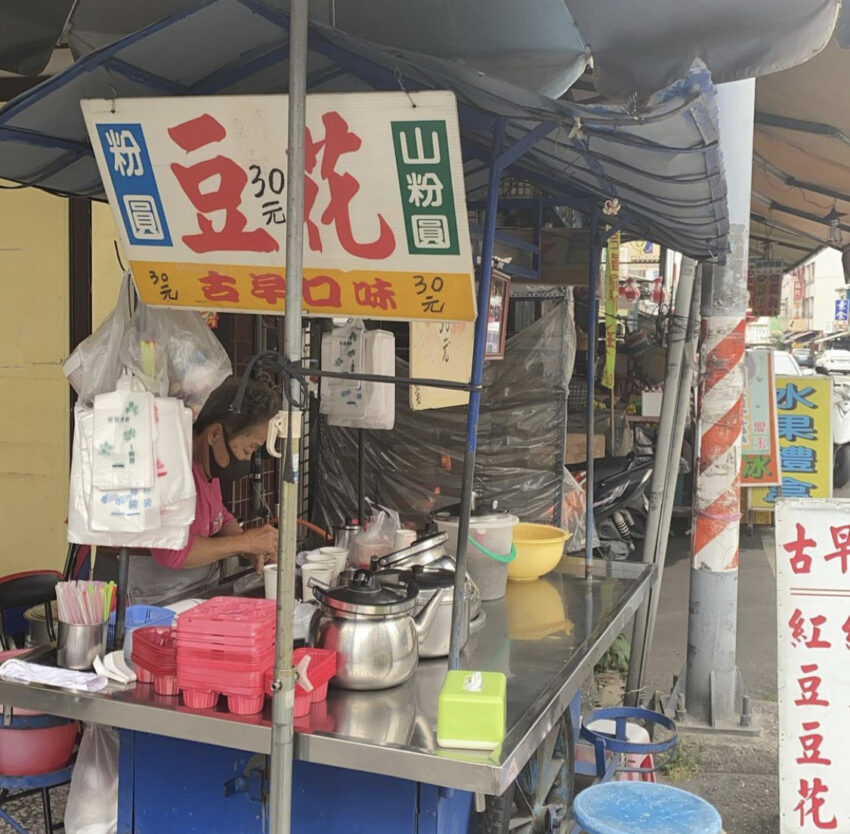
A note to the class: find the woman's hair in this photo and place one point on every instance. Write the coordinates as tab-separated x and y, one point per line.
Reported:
259	405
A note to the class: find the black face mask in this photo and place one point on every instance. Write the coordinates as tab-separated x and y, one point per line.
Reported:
234	470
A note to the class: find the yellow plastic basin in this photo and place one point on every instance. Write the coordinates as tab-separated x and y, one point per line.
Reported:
539	548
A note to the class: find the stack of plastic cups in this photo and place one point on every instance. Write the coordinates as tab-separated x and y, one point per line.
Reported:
155	658
224	647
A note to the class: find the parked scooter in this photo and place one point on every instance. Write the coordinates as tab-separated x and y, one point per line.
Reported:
620	502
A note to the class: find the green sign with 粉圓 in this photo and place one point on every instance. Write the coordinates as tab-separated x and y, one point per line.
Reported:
425	183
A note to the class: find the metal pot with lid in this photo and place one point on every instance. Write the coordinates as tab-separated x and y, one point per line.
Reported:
436	584
372	627
39	629
424	551
428	551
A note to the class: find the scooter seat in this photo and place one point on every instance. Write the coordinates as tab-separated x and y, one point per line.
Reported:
605	468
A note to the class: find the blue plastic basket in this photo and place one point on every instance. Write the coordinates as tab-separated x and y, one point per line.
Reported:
139	616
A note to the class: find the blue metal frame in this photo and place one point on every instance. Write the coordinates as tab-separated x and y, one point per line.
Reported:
592	326
501	158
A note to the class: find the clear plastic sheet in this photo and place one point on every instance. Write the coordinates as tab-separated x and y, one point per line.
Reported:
417	467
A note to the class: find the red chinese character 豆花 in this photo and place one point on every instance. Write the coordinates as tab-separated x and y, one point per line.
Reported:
339	140
225	196
810	684
811	805
811	743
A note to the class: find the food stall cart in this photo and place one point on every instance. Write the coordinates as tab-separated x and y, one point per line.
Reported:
376	752
369	760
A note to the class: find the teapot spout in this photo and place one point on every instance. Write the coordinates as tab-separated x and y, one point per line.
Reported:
424	620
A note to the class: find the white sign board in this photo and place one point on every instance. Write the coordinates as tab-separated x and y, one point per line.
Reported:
813	615
198	190
440	351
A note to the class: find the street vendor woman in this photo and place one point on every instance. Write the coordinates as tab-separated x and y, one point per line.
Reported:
223	442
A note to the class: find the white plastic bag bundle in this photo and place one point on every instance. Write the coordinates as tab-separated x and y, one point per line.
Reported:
158	517
95	366
93	797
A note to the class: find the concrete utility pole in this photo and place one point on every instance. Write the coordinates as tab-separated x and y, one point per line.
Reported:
712	680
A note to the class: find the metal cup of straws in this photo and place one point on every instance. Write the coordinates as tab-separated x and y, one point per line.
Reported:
80	644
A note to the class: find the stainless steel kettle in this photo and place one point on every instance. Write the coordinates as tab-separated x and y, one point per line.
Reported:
372	628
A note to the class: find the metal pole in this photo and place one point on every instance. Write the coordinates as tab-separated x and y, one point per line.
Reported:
280	793
670	416
361	476
644	626
476	378
592	323
682	410
712	680
121	597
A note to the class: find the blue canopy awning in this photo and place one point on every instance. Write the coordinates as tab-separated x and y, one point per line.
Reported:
660	160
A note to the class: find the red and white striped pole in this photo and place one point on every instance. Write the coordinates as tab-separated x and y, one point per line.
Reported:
718	484
711	673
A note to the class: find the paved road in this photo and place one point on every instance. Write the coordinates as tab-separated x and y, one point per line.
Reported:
756	615
737	775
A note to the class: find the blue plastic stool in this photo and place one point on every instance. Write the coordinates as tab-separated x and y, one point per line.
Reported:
643	808
17	787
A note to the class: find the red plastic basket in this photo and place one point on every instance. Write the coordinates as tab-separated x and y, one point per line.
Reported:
155	649
321	669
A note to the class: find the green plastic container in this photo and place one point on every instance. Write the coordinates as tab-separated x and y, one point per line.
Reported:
469	717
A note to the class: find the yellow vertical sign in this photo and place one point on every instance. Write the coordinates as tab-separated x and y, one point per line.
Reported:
612	308
804	408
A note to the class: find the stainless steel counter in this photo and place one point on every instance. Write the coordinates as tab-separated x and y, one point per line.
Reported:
546	636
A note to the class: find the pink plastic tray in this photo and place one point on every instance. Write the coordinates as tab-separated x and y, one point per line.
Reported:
222	682
228	616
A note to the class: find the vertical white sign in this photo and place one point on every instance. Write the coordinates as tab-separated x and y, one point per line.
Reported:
813	616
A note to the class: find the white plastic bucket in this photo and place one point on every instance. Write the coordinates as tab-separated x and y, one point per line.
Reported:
488	551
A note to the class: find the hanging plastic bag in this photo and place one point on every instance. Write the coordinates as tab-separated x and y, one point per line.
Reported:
93	797
95	365
376	540
175	354
574	514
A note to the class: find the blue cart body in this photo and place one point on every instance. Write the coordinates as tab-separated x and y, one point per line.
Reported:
171	786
